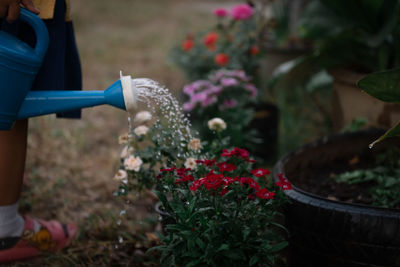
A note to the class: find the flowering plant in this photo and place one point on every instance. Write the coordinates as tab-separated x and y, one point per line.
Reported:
229	95
231	43
225	212
148	147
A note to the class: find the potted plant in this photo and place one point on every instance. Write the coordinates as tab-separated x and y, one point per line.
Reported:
232	43
224	211
232	96
350	187
351	40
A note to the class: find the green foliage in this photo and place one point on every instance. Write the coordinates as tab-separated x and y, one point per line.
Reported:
236	228
351	32
385	179
362	35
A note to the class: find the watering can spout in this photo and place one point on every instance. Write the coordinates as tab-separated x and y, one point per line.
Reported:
120	95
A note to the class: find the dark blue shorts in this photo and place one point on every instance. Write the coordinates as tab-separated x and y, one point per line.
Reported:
61	69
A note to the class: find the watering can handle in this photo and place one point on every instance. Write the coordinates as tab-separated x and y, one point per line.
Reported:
42	35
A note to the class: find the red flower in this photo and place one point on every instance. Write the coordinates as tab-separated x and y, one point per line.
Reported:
226	167
210	40
185	179
187	45
238	152
250	182
226	153
221	59
196	185
265	194
254	50
283	182
223	191
182	171
260	172
206	162
214	182
168	169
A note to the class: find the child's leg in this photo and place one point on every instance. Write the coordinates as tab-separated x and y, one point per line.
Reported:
13	245
13	146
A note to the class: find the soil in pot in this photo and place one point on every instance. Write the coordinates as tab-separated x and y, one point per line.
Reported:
329	174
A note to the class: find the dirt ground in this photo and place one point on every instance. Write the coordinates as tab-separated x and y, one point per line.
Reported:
71	163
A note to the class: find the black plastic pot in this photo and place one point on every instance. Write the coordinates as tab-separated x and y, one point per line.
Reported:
325	232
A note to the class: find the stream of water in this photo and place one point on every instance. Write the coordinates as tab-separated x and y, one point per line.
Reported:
166	108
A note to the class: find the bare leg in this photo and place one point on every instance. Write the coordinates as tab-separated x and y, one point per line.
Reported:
13	145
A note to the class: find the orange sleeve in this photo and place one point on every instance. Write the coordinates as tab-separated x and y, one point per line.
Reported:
46	8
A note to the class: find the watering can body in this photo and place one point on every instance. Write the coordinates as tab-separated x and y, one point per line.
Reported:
19	65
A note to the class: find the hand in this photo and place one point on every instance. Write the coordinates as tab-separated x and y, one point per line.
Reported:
9	9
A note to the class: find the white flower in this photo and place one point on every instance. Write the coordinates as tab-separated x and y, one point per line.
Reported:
217	124
126	151
195	144
133	163
142	117
123	139
141	130
191	163
120	175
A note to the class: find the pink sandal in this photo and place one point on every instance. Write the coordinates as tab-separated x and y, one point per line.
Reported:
39	236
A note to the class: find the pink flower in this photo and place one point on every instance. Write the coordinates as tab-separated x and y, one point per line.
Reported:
241	12
229	82
189	89
209	101
229	104
189	106
199	97
220	12
252	89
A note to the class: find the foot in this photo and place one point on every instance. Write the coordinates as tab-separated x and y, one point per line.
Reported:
38	236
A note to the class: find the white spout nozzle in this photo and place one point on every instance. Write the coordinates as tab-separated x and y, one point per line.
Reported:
128	90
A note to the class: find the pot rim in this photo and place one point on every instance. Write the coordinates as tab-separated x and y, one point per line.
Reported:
316	200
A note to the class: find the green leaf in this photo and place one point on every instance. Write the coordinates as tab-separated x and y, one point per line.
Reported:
383	85
223	247
279	246
253	260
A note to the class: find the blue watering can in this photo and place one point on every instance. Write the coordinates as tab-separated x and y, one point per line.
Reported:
19	65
